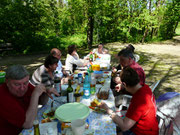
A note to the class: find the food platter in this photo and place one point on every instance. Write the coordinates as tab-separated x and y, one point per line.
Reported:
49	114
97	109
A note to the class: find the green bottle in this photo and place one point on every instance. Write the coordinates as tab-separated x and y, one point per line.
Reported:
70	95
91	57
36	127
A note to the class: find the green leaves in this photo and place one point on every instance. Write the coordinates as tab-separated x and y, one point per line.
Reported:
39	23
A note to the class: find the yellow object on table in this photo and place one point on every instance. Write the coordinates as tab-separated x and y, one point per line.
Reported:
97	67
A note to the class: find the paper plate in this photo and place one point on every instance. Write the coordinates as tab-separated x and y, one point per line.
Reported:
72	111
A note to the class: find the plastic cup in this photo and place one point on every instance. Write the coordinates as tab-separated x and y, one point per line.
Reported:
93	67
78	126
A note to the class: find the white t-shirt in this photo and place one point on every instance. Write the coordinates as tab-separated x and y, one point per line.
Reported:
70	60
59	70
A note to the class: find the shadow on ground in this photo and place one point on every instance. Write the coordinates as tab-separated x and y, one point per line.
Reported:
156	66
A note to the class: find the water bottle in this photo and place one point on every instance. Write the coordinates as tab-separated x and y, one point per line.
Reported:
86	87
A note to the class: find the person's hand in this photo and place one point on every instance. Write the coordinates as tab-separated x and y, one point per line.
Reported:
103	106
118	87
52	91
117	80
39	89
114	70
114	117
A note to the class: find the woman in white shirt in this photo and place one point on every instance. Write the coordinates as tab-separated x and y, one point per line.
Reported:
73	60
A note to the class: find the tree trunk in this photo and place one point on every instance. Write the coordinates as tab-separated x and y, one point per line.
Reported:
174	31
145	34
90	31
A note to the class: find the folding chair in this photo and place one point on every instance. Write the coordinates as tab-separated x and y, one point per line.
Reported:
154	85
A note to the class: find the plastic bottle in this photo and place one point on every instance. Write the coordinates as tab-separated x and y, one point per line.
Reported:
80	78
93	84
70	95
86	87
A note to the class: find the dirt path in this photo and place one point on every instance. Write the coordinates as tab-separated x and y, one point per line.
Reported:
159	61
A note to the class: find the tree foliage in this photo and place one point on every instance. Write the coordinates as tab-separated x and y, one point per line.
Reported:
33	25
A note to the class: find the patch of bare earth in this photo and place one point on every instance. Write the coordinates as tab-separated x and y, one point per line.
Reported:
159	61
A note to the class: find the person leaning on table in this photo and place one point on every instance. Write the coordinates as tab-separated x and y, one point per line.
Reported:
73	60
140	118
126	59
45	73
19	101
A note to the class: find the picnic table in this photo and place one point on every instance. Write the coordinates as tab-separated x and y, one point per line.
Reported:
99	123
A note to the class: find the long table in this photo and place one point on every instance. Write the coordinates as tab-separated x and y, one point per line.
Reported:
99	122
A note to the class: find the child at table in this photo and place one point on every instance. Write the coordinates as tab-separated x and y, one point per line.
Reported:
141	115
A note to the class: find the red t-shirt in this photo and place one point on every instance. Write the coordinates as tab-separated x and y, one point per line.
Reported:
13	110
139	71
142	109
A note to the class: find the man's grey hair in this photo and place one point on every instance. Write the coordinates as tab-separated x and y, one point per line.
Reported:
16	72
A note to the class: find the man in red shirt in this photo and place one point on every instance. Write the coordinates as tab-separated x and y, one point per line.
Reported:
126	59
19	101
141	115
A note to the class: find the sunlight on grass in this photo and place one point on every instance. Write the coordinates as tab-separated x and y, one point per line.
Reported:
178	30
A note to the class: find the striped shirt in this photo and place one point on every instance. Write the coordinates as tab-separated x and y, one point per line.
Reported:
41	76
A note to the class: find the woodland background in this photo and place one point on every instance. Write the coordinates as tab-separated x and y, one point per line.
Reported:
39	25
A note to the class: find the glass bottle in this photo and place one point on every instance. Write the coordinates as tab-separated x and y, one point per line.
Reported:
86	87
70	96
91	57
36	127
57	83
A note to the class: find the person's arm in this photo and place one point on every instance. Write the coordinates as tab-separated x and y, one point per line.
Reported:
45	96
33	106
124	124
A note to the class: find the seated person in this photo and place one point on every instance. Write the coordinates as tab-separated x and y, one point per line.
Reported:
126	60
45	74
100	50
132	48
140	118
19	101
115	71
60	72
73	60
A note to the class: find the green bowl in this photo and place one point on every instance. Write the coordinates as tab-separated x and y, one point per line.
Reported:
72	111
